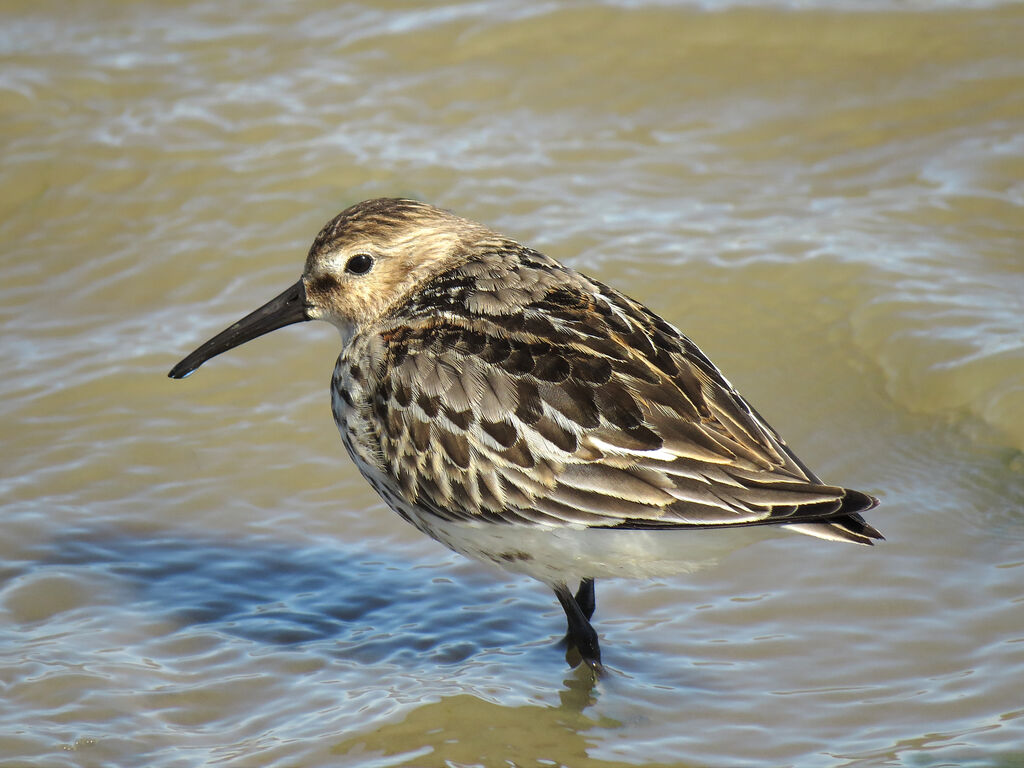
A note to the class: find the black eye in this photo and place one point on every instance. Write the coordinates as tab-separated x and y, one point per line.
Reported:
359	264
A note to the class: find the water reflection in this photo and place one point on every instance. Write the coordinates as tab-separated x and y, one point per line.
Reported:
205	629
373	606
467	730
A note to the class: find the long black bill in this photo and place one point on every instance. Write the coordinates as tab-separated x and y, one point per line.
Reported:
288	308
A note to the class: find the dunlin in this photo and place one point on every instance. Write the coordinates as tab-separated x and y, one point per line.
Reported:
526	415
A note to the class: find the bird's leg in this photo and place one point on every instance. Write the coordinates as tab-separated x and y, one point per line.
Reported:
585	598
581	635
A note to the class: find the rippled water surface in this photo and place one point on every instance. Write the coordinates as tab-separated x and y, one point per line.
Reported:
826	196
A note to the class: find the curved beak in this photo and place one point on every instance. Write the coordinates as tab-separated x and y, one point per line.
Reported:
285	309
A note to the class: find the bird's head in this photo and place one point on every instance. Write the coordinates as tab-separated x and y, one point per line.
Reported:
366	260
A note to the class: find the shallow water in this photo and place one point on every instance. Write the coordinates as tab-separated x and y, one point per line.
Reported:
825	196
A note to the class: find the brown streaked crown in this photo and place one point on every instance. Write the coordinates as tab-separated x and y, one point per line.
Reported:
408	242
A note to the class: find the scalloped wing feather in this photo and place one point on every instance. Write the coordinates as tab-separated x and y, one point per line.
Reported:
515	390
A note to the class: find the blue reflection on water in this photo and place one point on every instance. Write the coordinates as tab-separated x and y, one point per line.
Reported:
374	606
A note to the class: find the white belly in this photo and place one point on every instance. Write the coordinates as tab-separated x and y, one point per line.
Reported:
567	555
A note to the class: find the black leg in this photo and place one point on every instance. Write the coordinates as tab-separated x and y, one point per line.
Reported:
585	598
581	635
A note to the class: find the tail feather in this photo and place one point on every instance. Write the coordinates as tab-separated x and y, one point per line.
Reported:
849	525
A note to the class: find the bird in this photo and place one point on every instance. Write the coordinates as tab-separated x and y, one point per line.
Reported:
526	415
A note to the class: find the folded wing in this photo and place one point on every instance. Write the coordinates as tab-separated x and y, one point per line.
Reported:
576	406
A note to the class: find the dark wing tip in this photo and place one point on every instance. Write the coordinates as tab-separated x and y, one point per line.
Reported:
855	502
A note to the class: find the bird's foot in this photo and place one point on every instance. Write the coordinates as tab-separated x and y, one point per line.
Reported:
581	639
575	659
